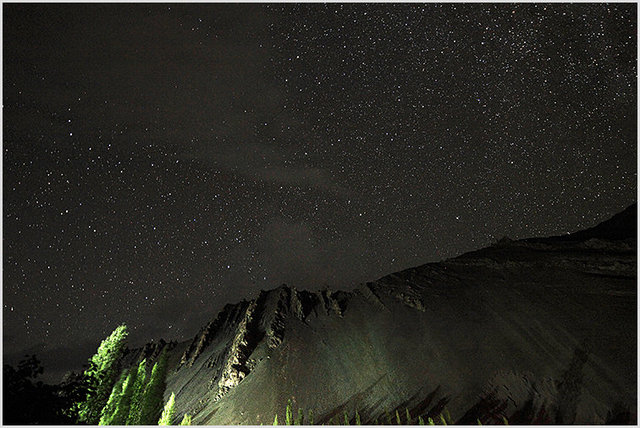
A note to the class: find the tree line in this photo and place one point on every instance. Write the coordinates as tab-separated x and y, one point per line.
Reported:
125	397
104	394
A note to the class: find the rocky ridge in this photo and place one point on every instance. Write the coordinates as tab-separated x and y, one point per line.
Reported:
537	330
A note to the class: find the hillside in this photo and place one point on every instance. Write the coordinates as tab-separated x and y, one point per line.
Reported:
539	330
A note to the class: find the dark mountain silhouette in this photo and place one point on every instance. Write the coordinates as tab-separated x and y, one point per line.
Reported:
538	331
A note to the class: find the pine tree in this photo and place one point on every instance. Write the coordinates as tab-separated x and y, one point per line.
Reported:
310	417
124	404
137	396
448	416
168	412
102	375
186	420
289	414
358	421
153	393
106	416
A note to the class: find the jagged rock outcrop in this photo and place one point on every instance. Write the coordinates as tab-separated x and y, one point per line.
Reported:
237	363
539	331
226	317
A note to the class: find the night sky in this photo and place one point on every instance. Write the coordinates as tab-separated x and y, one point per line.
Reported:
160	161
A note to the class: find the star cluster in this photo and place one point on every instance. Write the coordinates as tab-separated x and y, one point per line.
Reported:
161	161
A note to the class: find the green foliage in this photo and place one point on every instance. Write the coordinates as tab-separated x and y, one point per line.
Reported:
298	420
504	420
103	358
109	410
152	399
447	416
124	404
443	418
169	411
288	419
133	417
186	420
69	393
101	375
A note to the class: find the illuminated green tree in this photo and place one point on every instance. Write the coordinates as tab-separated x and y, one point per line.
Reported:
108	411
102	375
154	392
186	420
169	411
289	413
138	394
124	404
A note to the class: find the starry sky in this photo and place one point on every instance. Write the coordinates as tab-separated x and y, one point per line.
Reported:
160	160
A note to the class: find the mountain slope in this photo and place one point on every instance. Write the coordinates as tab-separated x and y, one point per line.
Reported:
538	330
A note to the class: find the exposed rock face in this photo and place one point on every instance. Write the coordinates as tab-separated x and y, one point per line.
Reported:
237	364
227	316
537	330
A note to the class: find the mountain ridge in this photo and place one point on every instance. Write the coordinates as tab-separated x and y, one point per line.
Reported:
344	350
